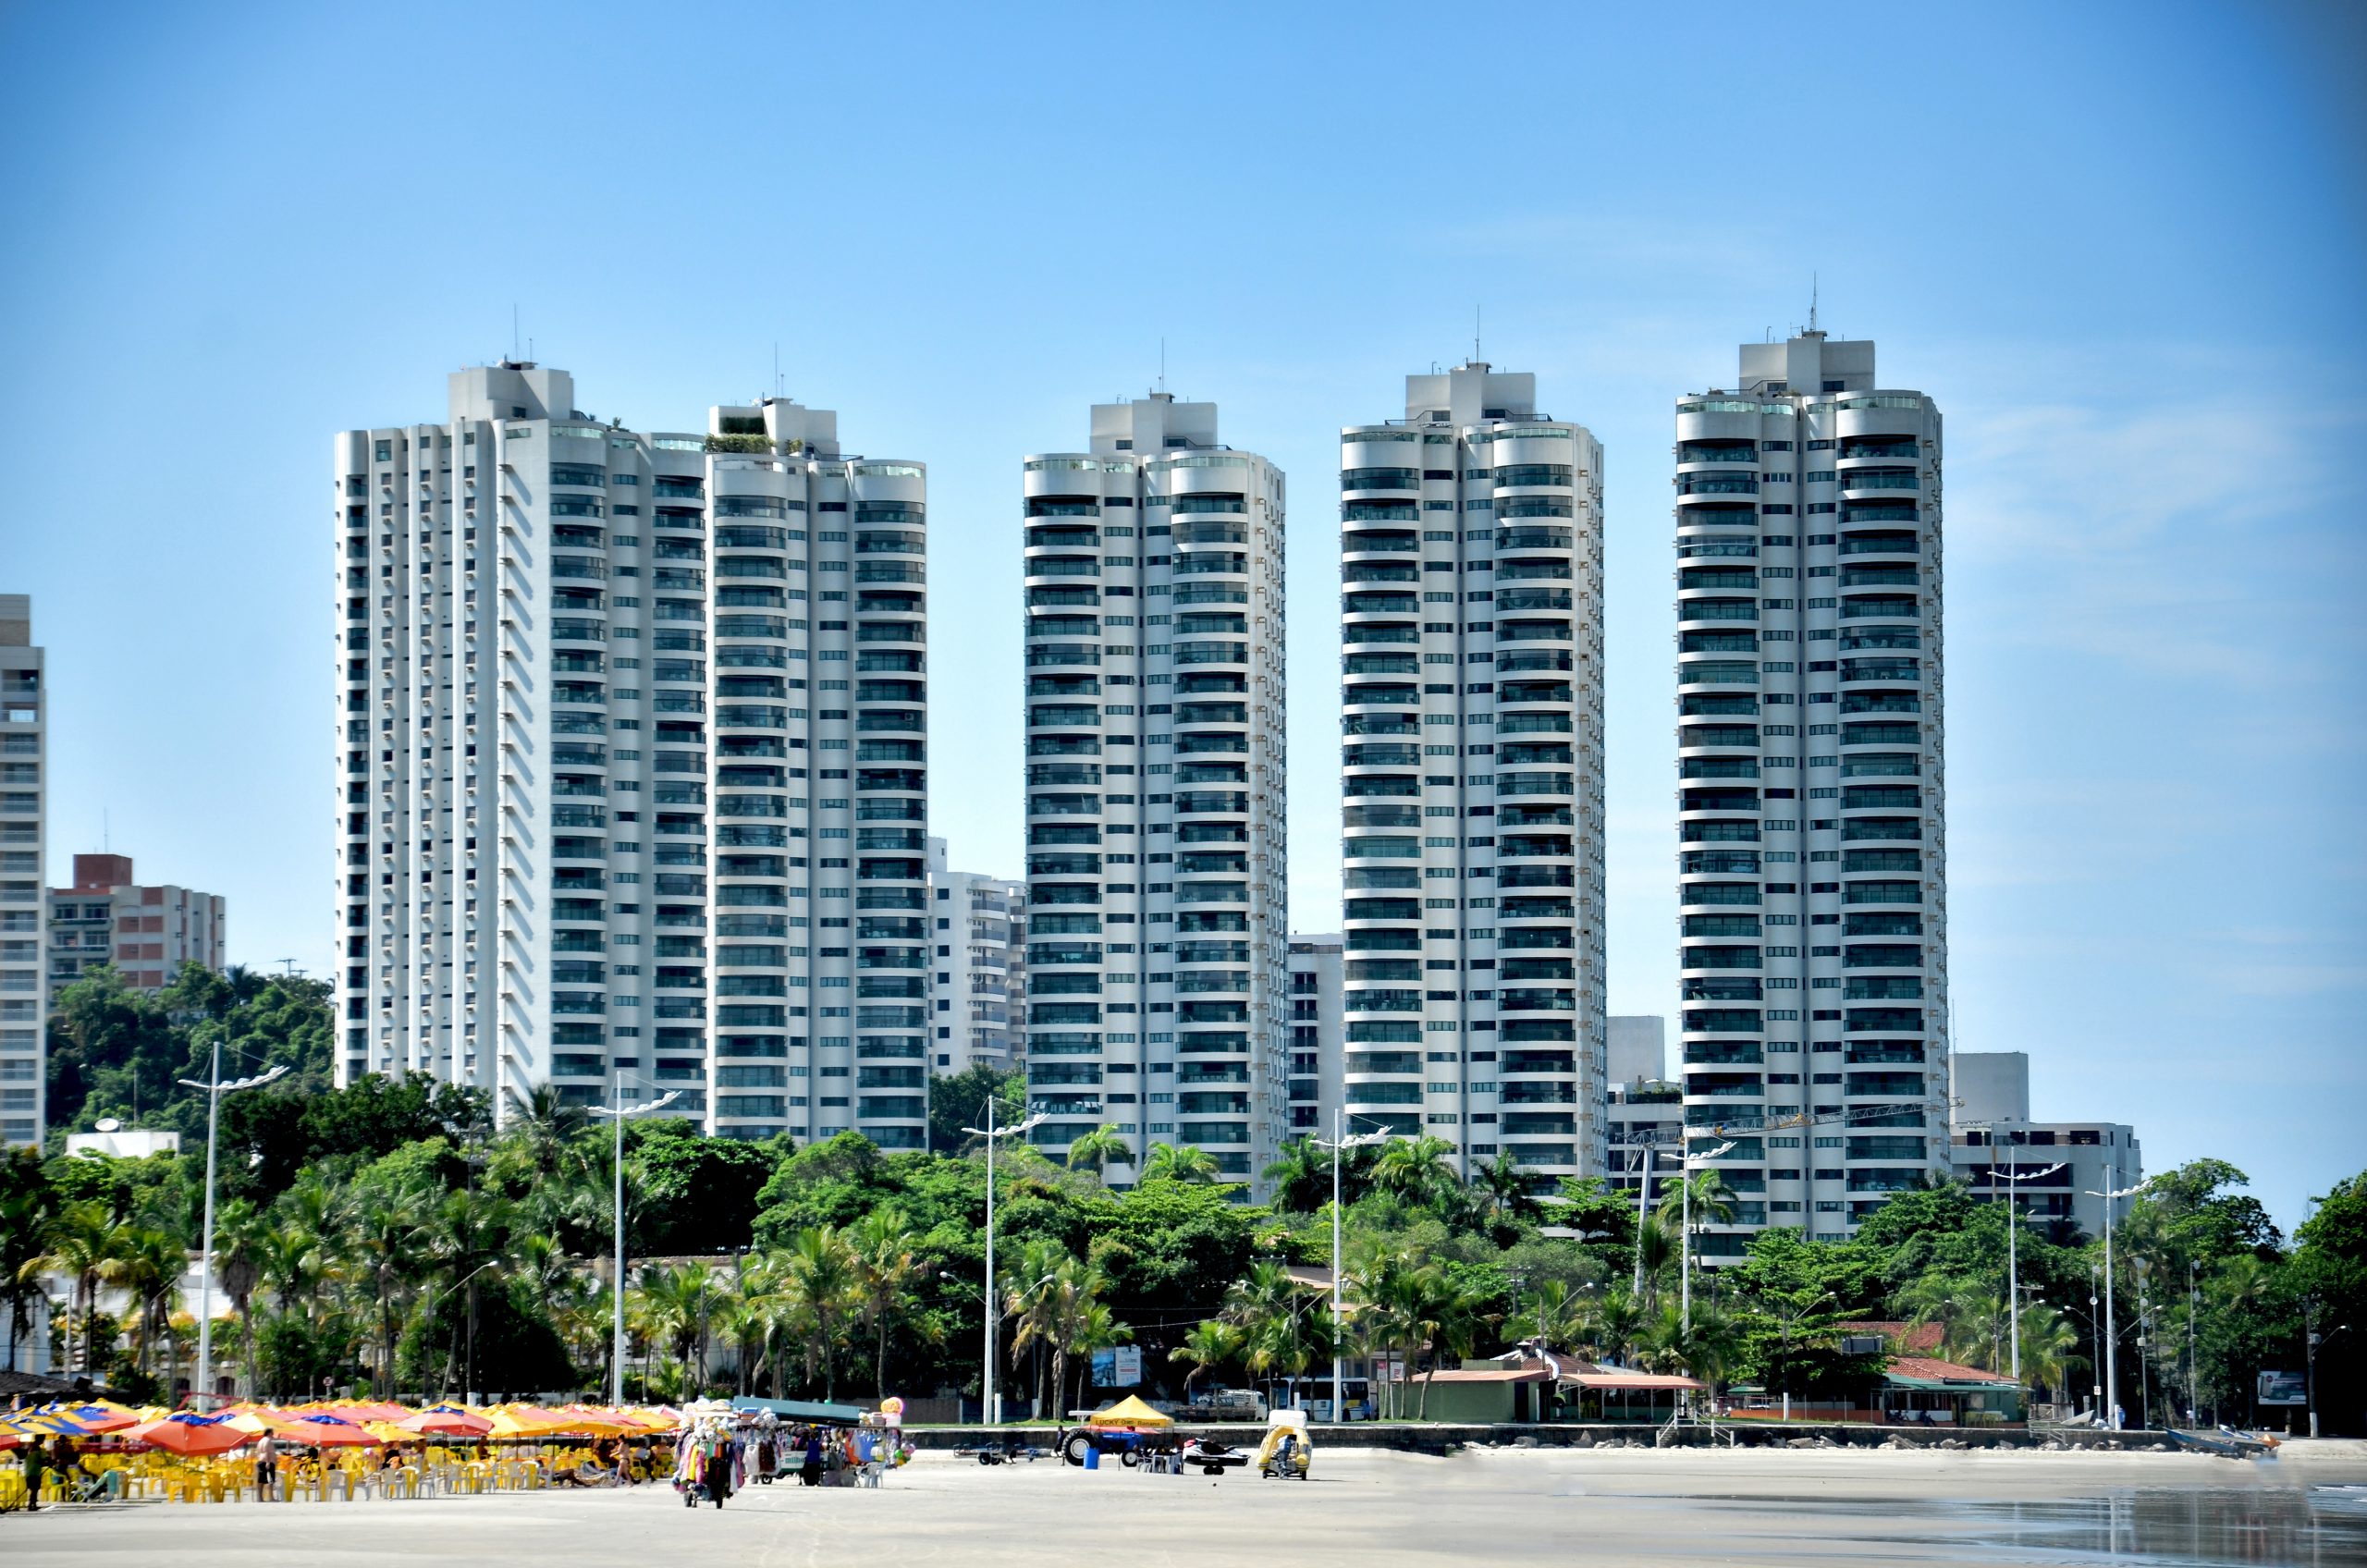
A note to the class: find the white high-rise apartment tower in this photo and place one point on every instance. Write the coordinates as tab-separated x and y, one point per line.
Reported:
1471	550
1813	844
24	792
1155	853
633	765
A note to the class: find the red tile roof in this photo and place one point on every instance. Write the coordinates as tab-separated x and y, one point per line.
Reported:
1930	1370
1906	1338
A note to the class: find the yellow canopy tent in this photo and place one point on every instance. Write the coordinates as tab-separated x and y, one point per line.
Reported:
1129	1411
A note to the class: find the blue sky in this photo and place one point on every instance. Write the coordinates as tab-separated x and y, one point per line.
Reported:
2120	244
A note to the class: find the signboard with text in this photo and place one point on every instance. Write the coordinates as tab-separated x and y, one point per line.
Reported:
2282	1388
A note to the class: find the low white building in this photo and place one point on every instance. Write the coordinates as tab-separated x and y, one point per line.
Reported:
2054	1169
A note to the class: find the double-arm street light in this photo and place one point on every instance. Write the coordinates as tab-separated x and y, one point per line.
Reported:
1340	1144
989	1390
617	1113
2110	1330
214	1089
2013	1295
1684	1185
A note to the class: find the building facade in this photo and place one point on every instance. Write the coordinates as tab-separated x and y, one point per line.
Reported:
978	997
2054	1170
631	760
1317	1032
1638	1051
24	795
1471	550
1157	857
1812	833
147	932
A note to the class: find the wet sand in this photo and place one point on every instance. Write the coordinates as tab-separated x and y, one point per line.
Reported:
1681	1507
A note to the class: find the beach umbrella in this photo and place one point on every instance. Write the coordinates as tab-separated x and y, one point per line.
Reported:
321	1431
190	1433
96	1415
49	1422
533	1421
444	1421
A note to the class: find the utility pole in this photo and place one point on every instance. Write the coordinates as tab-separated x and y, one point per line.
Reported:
2193	1392
2110	1330
2013	1273
215	1089
617	1113
989	1369
1340	1146
1684	1265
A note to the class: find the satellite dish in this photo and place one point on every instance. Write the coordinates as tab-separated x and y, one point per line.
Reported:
109	1124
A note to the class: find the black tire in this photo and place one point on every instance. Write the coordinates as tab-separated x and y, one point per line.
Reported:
1130	1458
1073	1447
1212	1469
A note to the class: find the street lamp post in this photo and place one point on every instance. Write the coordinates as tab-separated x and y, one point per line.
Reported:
1684	1240
989	1393
1340	1146
617	1113
215	1089
2013	1274
1643	1208
2110	1329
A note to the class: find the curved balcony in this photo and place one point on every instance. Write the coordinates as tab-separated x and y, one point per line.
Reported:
1716	511
1377	545
1707	611
1878	485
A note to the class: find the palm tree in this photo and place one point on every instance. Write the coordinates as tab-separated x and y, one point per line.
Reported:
244	984
1415	1170
1712	1200
1551	1313
239	1233
2048	1340
1617	1318
80	1239
1301	1176
1279	1329
1058	1312
147	1266
1701	1349
466	1238
24	1217
1181	1162
548	1124
1655	1254
1030	1307
1095	1150
885	1264
1503	1192
823	1282
1936	1298
680	1302
384	1241
1211	1342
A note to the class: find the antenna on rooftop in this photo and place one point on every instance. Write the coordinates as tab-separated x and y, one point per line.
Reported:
1812	291
1475	335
